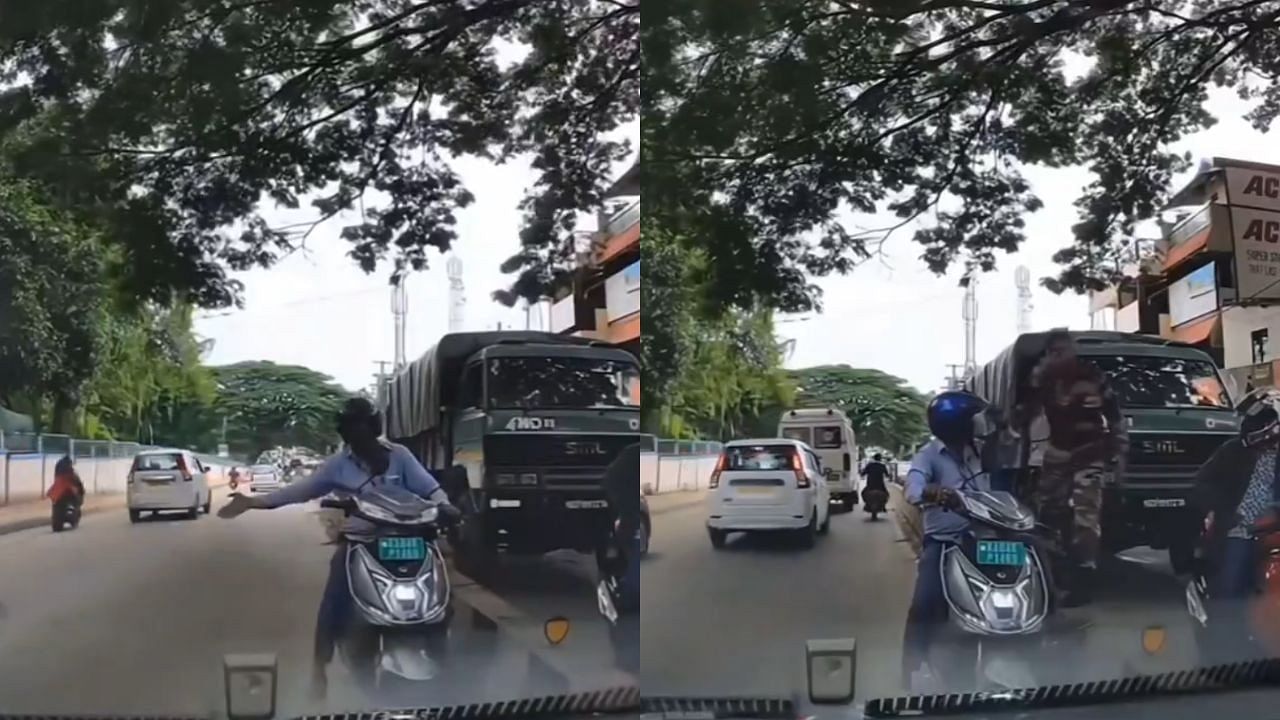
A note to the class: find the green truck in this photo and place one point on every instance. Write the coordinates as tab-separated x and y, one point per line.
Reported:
535	419
1178	413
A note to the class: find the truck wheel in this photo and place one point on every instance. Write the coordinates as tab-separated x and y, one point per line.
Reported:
474	557
717	538
848	502
1182	555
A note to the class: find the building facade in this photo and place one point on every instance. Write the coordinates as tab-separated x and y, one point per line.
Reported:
1213	280
603	299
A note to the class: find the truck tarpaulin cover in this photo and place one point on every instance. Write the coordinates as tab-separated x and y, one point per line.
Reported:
425	385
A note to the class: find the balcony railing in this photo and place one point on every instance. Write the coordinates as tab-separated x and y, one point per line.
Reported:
621	220
1191	226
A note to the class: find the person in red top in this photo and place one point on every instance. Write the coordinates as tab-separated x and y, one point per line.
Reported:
66	489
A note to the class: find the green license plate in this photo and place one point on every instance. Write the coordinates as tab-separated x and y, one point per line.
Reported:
1001	552
402	549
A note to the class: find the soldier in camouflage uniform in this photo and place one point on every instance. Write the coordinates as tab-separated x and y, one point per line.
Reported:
1087	436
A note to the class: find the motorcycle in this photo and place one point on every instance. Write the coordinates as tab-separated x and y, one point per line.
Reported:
999	591
66	514
1258	616
399	587
619	611
874	502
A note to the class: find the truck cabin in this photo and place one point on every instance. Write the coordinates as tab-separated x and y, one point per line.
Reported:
550	377
1145	371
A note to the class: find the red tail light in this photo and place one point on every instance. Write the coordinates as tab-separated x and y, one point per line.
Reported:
802	479
182	466
715	474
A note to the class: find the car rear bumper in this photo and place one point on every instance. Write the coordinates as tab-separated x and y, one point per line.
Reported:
779	519
162	504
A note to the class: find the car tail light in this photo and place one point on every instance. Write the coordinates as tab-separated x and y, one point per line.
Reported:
715	474
802	479
182	466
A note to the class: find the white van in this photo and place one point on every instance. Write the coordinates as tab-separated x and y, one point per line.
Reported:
164	480
830	434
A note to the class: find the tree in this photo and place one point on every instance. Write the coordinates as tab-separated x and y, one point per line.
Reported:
168	122
268	405
885	411
52	300
764	121
734	371
151	386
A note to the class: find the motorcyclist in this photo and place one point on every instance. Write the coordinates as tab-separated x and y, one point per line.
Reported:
67	489
364	459
875	473
1087	437
1235	488
947	464
622	490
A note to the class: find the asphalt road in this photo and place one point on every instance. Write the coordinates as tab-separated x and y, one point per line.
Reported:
120	618
735	621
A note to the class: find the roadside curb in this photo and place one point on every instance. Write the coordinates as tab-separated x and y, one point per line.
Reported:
37	522
669	502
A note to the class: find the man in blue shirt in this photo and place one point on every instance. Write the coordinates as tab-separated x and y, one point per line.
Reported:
364	460
949	463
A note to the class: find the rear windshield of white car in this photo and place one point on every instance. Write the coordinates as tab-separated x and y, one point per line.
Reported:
759	457
153	463
796	433
263	470
826	438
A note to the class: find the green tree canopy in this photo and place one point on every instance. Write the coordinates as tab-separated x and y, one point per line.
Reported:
268	405
52	301
763	121
168	122
885	411
151	386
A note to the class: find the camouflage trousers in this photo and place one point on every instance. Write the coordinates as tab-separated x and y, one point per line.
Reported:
1068	498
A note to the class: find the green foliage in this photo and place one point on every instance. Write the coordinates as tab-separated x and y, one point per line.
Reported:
708	370
734	371
151	386
268	405
51	304
885	411
167	122
764	121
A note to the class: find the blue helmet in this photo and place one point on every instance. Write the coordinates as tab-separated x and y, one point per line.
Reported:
951	415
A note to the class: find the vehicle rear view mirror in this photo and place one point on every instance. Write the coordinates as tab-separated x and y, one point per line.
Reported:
831	669
250	685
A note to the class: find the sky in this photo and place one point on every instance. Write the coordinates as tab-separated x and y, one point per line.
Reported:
316	308
899	317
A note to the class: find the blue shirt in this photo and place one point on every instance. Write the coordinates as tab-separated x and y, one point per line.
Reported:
935	464
343	472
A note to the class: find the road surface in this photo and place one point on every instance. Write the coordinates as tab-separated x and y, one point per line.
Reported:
120	618
735	621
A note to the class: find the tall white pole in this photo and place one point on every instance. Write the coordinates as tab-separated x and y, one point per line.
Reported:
399	308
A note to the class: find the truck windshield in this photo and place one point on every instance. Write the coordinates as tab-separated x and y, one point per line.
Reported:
1163	382
566	382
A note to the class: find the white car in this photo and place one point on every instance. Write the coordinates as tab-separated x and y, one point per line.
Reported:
768	485
264	478
168	480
